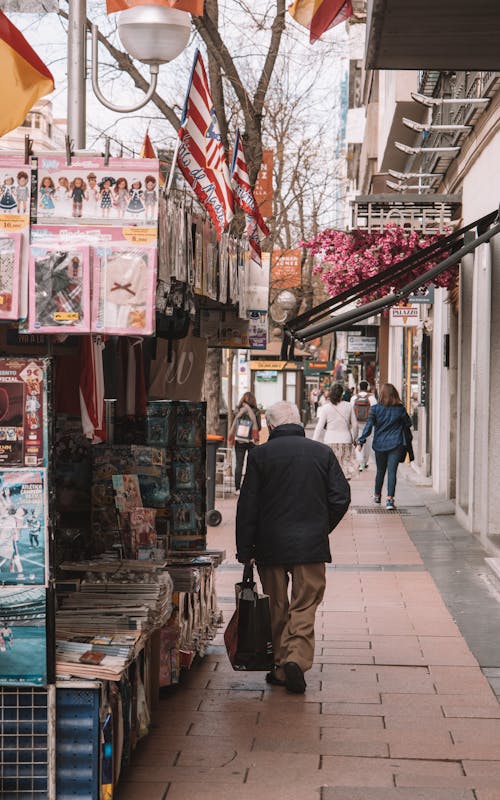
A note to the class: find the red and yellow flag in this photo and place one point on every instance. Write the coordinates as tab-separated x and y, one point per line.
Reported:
193	6
147	149
25	76
320	15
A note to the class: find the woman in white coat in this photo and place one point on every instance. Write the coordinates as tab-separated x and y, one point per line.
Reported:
338	426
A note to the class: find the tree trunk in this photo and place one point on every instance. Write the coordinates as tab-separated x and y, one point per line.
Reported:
211	389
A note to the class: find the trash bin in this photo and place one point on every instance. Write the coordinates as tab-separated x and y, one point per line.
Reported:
213	517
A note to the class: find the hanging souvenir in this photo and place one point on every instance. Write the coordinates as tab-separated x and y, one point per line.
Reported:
59	289
10	252
124	290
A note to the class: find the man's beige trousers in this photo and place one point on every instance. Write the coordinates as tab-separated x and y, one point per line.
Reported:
292	620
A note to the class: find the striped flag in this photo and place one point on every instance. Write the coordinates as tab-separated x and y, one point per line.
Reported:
201	157
243	195
147	149
320	15
25	76
193	6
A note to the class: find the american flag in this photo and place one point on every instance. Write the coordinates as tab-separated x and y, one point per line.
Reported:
201	157
243	195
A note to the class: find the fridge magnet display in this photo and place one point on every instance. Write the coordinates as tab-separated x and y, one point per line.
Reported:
155	490
124	191
10	251
23	412
184	517
190	421
123	289
127	492
59	299
184	476
23	660
142	528
23	527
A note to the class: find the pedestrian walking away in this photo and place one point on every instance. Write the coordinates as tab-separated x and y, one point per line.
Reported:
338	426
293	496
391	439
244	433
362	402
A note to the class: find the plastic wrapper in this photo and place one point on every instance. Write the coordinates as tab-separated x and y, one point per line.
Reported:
124	290
59	288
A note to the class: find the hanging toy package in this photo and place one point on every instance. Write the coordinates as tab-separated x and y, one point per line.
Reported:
10	254
123	289
59	288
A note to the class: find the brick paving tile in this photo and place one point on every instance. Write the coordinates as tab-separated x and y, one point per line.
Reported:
366	793
487	794
460	680
490	711
347	693
329	656
352	771
135	791
188	791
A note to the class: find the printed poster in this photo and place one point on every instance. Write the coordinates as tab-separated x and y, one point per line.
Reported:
23	527
23	412
23	644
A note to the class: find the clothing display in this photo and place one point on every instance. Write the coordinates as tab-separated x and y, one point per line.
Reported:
124	290
59	289
10	247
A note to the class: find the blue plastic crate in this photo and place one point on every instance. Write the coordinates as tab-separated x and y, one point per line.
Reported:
77	743
23	744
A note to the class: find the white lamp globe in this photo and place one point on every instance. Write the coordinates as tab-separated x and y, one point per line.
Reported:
154	34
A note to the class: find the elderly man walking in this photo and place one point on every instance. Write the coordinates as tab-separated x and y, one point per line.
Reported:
294	494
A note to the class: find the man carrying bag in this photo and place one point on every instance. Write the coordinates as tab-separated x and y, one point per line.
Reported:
248	637
294	494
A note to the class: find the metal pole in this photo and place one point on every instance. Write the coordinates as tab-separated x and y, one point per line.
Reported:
77	37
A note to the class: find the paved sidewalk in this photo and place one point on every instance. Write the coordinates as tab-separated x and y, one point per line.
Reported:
397	706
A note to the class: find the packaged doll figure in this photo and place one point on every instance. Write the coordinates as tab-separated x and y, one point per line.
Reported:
62	191
136	206
8	202
121	196
150	197
47	192
106	196
78	193
93	194
22	192
58	290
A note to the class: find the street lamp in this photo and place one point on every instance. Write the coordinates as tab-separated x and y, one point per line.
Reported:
152	34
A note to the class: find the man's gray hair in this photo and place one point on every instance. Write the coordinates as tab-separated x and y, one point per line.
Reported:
283	413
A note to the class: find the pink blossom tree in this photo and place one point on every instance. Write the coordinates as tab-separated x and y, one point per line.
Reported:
350	257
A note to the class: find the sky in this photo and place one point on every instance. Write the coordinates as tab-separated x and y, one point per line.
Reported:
47	35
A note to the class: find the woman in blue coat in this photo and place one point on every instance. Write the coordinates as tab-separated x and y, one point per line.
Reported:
391	437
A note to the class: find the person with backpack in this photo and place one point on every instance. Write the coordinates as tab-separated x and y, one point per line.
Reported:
244	433
361	403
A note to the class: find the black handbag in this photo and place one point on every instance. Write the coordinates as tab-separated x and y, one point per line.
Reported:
407	444
248	637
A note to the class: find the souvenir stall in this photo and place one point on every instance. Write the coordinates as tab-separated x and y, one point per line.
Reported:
107	589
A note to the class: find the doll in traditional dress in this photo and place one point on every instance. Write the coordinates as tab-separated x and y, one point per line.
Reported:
8	202
136	206
121	196
22	192
106	196
47	192
78	193
62	191
150	197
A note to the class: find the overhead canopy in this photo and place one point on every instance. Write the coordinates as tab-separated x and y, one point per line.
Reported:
324	318
425	34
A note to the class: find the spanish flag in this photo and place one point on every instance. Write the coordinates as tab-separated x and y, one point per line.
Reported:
320	15
25	77
192	6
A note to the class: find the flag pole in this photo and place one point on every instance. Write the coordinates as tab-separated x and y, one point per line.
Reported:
172	169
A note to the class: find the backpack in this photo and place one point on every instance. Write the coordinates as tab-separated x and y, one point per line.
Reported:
243	431
362	408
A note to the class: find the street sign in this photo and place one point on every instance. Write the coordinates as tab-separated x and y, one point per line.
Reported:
361	344
405	316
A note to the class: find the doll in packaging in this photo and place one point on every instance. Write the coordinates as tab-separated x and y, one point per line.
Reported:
59	289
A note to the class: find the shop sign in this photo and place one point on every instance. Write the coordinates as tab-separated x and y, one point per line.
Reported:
258	329
272	365
286	269
263	189
427	296
315	367
361	344
266	376
404	316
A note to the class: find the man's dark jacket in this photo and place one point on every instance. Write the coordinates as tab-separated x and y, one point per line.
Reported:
294	494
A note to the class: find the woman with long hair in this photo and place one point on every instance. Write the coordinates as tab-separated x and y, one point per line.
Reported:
391	436
244	433
338	421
